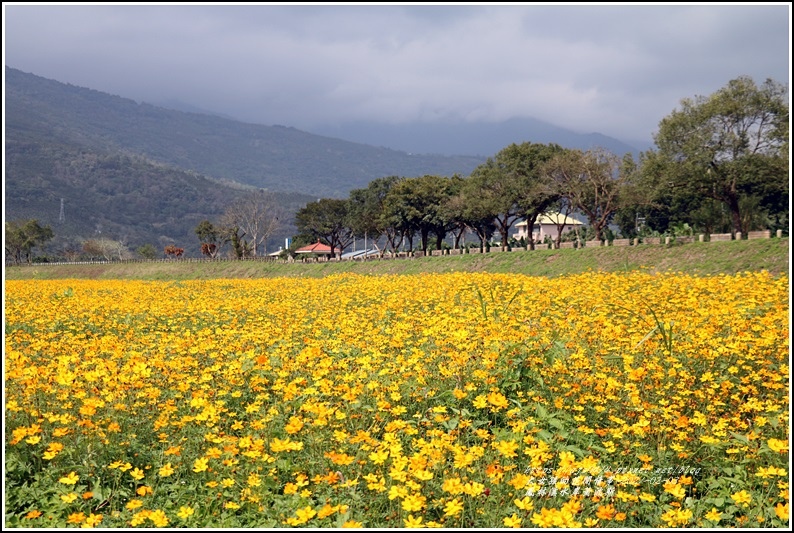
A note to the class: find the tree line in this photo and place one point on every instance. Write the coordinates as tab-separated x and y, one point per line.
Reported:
720	165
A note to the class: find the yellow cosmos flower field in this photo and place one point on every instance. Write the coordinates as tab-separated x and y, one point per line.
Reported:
434	400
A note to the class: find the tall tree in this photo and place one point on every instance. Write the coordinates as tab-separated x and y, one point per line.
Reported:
210	238
327	219
368	215
22	236
417	204
596	182
729	146
514	184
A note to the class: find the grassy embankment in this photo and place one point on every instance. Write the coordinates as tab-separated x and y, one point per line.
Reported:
694	258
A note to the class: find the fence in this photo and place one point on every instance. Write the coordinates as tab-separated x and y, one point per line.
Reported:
717	237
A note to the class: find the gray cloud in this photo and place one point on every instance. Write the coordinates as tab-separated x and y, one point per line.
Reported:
612	69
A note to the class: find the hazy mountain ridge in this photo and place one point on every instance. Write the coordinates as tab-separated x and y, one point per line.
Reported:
481	139
272	157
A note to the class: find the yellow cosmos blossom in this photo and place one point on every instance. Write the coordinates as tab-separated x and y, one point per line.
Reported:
68	498
781	511
453	508
480	402
714	515
508	448
92	520
200	465
412	522
185	512
158	518
413	502
498	400
513	521
75	518
525	504
742	498
677	517
166	470
137	474
295	425
676	489
352	524
134	504
777	445
302	516
70	479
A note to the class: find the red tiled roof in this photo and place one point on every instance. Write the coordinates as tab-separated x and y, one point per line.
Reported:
316	248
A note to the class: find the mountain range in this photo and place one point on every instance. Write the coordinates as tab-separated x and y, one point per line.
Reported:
144	173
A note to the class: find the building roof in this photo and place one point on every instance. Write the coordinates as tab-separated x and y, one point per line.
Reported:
361	253
553	219
316	248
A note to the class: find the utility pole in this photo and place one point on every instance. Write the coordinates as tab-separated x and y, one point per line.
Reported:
61	217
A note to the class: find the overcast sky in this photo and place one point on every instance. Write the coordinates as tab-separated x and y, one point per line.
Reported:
617	70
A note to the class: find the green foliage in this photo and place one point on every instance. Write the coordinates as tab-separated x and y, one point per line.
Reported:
21	236
328	219
147	251
727	147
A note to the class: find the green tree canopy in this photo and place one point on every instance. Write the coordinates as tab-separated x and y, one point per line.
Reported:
731	147
512	185
327	219
21	236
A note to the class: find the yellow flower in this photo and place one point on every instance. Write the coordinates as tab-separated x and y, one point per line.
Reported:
498	400
352	524
92	520
185	512
605	512
413	502
512	521
33	514
506	447
479	402
781	510
69	479
714	515
137	474
777	445
134	504
412	523
158	518
75	518
525	504
675	488
166	470
742	498
69	498
453	508
200	464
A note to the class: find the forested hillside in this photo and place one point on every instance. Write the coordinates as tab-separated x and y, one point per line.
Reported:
277	158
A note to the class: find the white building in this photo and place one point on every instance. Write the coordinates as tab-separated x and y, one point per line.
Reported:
546	226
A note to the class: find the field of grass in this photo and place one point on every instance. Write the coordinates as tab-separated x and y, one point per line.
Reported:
694	258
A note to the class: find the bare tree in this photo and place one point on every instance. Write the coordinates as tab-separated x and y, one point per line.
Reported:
257	215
